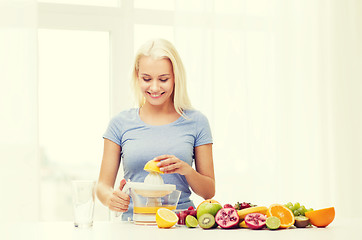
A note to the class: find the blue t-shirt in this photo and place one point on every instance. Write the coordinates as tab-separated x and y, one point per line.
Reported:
141	142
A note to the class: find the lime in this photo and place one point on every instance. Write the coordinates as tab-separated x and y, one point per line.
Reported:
272	222
191	221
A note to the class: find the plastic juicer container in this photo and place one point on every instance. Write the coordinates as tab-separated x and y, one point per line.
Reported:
148	198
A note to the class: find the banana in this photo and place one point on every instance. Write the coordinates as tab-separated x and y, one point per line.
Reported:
260	209
243	225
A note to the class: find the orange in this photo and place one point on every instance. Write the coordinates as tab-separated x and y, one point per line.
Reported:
207	201
283	213
151	166
165	218
322	217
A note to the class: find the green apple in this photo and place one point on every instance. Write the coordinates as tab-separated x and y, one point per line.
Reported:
208	207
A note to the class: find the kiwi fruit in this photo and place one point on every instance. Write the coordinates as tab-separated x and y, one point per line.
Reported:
301	221
206	221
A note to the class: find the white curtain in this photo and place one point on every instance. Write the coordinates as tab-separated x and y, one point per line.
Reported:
18	109
279	82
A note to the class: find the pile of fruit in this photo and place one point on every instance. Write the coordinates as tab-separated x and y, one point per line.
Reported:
211	214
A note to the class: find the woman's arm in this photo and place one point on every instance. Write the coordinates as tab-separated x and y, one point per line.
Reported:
201	180
116	200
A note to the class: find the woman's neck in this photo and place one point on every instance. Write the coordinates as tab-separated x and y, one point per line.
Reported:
164	109
158	115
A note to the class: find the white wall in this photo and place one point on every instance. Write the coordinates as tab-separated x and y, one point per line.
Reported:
19	170
346	101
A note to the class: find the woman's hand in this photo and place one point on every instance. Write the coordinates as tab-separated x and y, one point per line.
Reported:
119	200
171	164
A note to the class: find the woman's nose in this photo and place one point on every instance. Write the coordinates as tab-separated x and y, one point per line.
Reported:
154	85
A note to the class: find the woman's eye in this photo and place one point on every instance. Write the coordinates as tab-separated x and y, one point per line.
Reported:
163	79
146	79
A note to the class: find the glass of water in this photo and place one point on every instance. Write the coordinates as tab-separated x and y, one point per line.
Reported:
83	202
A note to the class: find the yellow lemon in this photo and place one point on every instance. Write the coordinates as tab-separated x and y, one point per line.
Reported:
165	218
151	166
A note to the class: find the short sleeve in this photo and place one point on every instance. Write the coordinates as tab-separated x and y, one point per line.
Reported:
203	131
114	131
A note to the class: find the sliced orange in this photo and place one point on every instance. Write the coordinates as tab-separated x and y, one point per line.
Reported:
322	217
165	218
207	201
151	166
283	213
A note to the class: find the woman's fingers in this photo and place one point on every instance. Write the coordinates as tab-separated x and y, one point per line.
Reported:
172	167
123	197
118	209
166	160
119	201
171	164
162	157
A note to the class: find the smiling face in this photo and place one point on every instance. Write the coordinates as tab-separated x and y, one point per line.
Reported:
156	80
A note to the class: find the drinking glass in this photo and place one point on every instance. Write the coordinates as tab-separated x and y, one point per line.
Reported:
83	202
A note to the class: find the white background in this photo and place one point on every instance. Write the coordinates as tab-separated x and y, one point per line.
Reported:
279	81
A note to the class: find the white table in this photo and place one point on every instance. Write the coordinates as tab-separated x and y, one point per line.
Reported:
342	229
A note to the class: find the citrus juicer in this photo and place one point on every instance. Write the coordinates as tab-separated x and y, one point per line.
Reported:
149	196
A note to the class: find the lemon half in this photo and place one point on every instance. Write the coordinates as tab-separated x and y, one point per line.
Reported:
165	218
151	166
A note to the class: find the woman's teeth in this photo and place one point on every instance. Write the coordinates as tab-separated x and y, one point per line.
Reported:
155	95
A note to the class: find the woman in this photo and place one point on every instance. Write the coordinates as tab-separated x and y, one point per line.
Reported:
164	127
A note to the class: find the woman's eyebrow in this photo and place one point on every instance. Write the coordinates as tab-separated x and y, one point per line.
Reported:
162	75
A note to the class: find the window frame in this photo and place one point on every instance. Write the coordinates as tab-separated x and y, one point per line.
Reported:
119	22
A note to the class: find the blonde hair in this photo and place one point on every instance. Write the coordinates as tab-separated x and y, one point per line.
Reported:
163	49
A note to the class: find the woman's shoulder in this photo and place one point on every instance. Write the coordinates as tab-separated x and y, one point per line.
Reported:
194	114
126	115
201	126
